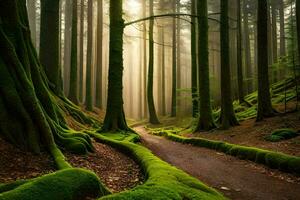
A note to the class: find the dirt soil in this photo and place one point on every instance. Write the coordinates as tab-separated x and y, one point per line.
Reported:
236	179
252	133
117	171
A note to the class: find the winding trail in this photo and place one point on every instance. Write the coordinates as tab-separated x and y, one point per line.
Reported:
236	179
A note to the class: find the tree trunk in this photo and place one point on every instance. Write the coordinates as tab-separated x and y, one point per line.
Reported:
227	117
89	57
274	31
194	60
99	73
205	121
30	115
163	74
115	117
152	111
81	46
178	58
264	101
247	48
73	89
239	55
49	43
145	60
298	24
282	30
174	67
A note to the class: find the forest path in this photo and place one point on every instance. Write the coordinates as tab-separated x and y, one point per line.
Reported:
242	180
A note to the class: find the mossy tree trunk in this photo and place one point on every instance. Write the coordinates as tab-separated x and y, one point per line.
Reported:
73	89
31	114
194	60
115	117
152	111
227	117
264	100
89	55
49	43
206	121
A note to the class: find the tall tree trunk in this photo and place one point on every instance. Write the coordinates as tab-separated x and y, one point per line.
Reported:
73	89
274	31
282	30
264	101
67	45
174	67
115	117
31	7
152	111
163	74
30	115
194	60
247	47
227	118
89	58
239	55
178	57
270	36
49	43
298	24
81	47
145	60
99	72
205	121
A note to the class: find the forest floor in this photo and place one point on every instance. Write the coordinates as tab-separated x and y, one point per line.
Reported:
237	179
116	170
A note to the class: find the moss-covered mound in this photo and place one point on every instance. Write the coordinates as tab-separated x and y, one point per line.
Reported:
69	184
282	134
163	180
271	159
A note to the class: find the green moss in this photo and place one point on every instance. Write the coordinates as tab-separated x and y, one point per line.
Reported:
271	159
70	184
281	134
163	181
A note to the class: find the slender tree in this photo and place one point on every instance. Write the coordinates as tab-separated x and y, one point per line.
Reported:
264	100
174	66
194	60
227	114
282	29
115	117
99	72
163	74
178	56
298	24
152	111
49	43
206	121
239	54
145	107
88	90
73	89
81	47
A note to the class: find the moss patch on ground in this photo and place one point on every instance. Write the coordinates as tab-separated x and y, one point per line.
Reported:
271	159
69	184
282	134
163	181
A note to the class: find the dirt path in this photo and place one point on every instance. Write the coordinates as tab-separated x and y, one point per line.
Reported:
240	179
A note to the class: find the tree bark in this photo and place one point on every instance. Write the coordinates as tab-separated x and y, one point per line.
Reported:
178	57
174	67
194	60
99	72
227	118
73	89
205	121
282	29
152	111
298	24
163	74
81	47
89	57
115	117
264	100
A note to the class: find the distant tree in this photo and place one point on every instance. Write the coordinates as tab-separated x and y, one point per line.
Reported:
152	111
88	90
99	72
115	117
282	29
81	47
73	89
227	117
174	66
194	60
264	100
206	121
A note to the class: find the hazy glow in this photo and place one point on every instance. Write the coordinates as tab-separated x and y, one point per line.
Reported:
133	7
